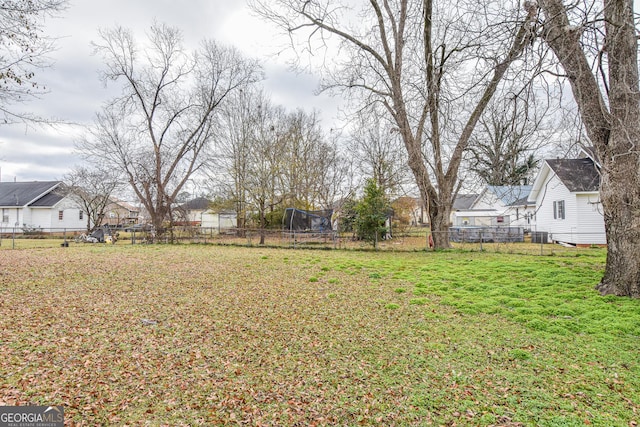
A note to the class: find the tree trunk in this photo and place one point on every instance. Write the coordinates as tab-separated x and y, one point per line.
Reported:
439	218
614	129
241	225
620	185
620	195
263	222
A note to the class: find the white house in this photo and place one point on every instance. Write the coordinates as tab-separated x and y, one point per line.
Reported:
38	206
566	193
497	206
191	212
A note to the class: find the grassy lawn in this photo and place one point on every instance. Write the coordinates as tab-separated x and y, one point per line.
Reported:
206	335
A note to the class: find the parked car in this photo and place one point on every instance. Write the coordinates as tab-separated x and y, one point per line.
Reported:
138	228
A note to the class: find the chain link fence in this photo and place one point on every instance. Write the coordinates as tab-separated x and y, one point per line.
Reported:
499	240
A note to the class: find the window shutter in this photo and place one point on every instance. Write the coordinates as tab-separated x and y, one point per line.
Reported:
555	210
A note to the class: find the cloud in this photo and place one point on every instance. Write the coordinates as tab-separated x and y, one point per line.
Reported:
37	155
75	92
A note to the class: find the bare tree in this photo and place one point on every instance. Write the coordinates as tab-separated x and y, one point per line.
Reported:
264	182
376	145
335	177
24	50
269	158
92	188
232	166
308	160
159	130
434	66
597	46
504	148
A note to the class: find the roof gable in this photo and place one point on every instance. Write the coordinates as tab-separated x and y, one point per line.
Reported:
464	201
48	200
578	175
18	194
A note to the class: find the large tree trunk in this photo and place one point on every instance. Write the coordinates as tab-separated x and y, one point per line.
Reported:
614	129
437	204
439	218
620	195
620	188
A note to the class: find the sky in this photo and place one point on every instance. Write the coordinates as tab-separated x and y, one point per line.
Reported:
76	92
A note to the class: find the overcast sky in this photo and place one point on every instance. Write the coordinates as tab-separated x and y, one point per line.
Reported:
76	93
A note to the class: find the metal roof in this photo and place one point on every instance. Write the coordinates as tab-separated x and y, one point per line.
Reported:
510	194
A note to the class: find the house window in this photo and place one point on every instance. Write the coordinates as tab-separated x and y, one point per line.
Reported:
60	215
500	219
80	215
5	215
558	210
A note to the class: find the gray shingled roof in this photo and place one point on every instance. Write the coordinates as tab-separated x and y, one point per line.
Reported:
576	174
464	201
197	204
48	200
16	194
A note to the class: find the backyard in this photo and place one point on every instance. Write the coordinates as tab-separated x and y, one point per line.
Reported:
214	335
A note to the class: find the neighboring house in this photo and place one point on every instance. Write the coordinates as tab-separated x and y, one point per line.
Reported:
38	206
567	196
119	213
190	213
496	206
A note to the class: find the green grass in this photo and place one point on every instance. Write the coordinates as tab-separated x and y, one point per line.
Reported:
202	335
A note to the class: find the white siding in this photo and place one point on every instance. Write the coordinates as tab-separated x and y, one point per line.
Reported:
583	223
70	218
210	220
563	230
15	217
41	218
47	218
590	219
519	215
217	221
